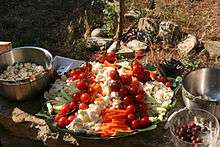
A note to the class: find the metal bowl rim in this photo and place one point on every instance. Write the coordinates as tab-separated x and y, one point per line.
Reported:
196	97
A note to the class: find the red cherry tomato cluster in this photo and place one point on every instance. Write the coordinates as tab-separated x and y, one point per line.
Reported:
110	57
80	100
165	81
139	72
133	96
62	118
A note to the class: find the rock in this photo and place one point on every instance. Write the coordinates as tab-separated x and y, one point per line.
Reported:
147	29
213	48
99	42
131	16
19	119
188	45
137	45
112	48
169	32
126	52
99	33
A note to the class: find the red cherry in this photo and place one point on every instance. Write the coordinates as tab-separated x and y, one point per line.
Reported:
83	106
139	97
113	74
71	118
76	96
162	79
123	92
62	122
144	121
131	117
168	84
127	100
57	117
135	124
126	79
65	109
88	66
85	98
111	57
81	85
133	89
73	105
130	109
115	87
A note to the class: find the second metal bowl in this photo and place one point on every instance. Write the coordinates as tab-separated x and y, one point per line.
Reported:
201	89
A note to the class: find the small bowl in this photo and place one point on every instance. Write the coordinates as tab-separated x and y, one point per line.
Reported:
200	117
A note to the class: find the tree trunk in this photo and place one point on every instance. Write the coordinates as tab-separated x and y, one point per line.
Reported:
119	32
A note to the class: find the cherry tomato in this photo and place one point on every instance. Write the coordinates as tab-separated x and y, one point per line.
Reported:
57	117
123	92
71	118
65	109
131	117
83	106
126	79
168	84
111	57
162	79
82	68
130	109
144	121
136	67
127	100
74	77
101	58
82	75
139	97
133	89
115	87
76	96
135	124
113	74
81	85
143	109
62	122
73	105
85	98
75	72
88	66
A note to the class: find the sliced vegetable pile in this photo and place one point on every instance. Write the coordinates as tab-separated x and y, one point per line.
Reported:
107	97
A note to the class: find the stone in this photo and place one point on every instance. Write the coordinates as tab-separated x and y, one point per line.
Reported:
147	29
99	42
187	46
19	119
169	33
125	52
136	45
130	16
213	48
98	32
112	48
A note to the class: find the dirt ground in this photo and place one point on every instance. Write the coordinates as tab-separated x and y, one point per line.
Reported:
51	24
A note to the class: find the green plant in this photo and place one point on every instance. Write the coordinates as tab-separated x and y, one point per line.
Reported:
110	19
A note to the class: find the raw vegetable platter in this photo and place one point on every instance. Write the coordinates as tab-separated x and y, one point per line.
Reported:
108	99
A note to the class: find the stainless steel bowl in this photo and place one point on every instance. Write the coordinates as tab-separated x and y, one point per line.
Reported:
201	89
21	90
